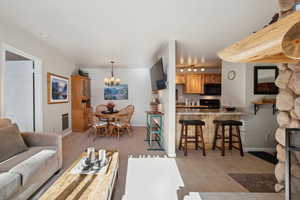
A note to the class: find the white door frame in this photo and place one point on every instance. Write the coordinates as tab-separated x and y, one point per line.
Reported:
38	82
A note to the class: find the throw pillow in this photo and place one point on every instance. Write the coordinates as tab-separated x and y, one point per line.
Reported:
11	142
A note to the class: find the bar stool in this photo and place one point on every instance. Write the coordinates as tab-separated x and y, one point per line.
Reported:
230	124
194	139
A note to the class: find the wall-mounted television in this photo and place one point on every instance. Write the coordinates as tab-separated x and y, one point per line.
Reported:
158	77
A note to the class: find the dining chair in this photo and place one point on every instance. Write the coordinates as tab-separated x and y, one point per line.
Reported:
130	109
122	122
98	125
99	109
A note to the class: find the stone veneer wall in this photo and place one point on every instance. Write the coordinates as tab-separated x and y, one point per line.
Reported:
288	104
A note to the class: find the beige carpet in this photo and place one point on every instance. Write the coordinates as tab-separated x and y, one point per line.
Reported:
200	174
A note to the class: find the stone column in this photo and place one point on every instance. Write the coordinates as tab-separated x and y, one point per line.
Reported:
288	104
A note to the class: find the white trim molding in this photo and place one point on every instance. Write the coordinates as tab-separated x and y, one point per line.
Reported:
67	133
172	155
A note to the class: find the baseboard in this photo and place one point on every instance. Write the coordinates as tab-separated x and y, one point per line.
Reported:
67	133
139	124
172	155
271	150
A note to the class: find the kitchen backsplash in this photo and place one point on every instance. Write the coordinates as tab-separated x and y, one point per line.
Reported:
191	97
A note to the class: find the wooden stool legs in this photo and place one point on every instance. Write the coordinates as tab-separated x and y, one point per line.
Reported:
239	140
228	140
223	140
195	139
181	135
185	140
202	140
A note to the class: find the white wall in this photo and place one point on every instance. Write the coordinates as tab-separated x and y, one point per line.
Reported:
262	126
139	90
52	61
258	130
167	96
233	91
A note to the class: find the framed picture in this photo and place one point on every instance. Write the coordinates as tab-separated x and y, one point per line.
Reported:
264	80
119	92
58	89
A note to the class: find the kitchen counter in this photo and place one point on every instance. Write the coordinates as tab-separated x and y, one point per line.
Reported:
208	116
189	111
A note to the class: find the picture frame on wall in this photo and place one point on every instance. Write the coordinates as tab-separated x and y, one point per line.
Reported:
58	88
264	80
119	92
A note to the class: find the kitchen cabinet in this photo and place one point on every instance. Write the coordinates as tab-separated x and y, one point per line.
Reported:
180	79
194	83
212	78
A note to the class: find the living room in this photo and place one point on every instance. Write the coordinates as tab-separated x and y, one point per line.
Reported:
94	113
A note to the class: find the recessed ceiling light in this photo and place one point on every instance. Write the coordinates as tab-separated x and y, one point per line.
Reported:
195	69
181	60
181	70
202	69
189	69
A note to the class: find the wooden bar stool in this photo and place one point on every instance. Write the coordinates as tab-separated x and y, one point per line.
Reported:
224	139
191	139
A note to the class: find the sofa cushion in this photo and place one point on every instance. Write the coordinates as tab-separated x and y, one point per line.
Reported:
12	142
9	184
37	167
20	157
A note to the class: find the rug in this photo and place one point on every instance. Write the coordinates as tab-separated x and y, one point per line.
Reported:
259	183
265	156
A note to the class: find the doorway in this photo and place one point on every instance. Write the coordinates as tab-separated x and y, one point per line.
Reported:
21	90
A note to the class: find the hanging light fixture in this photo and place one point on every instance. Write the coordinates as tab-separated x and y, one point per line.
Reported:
112	80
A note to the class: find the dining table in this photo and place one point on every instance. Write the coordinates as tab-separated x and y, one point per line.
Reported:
108	116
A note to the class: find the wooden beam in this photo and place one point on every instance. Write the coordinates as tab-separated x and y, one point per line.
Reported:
277	43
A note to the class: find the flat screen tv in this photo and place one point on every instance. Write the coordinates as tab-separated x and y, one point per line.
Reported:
158	78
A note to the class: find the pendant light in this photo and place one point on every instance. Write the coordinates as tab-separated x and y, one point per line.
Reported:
112	81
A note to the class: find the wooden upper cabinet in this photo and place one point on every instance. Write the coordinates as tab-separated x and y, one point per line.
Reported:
180	79
212	78
194	83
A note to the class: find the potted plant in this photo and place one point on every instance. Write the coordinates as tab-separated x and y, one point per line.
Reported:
110	106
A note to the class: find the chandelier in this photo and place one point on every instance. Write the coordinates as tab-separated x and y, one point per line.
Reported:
112	80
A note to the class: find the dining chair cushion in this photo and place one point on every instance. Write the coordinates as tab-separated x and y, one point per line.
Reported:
100	123
118	124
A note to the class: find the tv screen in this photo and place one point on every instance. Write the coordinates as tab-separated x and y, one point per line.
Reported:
158	80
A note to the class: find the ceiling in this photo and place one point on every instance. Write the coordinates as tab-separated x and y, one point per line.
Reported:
94	32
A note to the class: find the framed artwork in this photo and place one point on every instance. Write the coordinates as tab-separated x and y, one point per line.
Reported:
118	92
58	89
264	80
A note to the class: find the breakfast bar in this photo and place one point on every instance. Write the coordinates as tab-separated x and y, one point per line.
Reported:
208	116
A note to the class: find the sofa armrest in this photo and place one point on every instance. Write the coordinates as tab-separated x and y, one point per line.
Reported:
44	139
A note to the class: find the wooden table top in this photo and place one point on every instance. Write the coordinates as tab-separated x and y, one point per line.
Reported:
83	187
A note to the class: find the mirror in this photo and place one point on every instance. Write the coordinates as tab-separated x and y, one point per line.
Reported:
264	80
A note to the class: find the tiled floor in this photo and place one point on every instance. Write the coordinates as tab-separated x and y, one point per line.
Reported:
210	173
200	174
